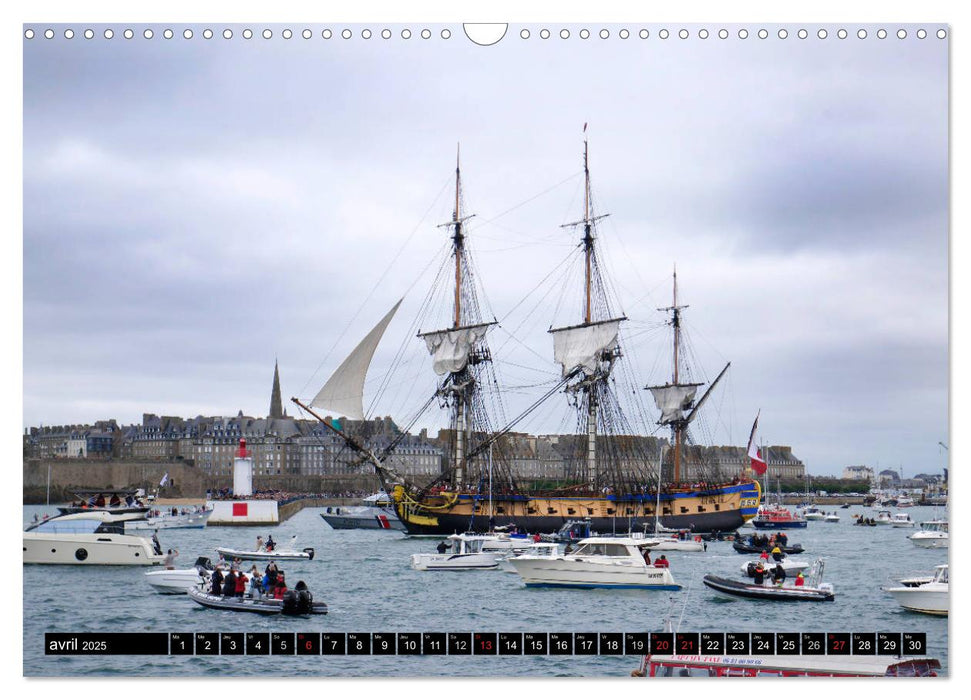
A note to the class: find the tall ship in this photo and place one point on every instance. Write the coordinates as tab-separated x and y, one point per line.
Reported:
614	479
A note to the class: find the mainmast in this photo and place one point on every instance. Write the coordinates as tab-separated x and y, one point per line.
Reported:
458	244
581	349
676	427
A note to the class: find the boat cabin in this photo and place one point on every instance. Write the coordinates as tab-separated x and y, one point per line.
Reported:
934	526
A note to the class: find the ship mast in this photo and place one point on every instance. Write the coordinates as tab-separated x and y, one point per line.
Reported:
458	244
582	349
676	427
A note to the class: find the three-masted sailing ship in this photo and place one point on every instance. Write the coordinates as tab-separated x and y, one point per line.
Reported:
615	483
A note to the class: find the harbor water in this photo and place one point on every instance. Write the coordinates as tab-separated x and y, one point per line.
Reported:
365	578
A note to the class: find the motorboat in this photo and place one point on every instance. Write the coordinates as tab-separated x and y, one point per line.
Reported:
536	549
377	513
505	542
813	590
792	567
754	544
467	553
297	602
905	502
831	518
180	581
289	552
933	534
929	597
776	517
813	513
678	542
177	518
598	562
112	500
89	538
902	520
787	665
883	517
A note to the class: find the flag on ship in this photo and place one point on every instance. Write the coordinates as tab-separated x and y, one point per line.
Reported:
758	464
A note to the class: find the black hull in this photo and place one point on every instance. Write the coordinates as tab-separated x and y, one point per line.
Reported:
741	589
453	524
743	548
261	606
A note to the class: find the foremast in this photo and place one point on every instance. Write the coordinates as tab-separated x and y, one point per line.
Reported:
588	350
458	349
675	400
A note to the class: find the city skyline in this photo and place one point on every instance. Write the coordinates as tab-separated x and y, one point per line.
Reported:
277	211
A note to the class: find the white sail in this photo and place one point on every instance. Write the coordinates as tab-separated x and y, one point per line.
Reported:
344	391
673	399
450	349
580	346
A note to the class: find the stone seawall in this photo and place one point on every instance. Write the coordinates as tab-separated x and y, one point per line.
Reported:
185	479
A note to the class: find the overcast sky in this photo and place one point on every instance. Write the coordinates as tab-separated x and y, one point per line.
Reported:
195	209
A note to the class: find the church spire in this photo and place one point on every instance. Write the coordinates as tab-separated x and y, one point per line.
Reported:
276	402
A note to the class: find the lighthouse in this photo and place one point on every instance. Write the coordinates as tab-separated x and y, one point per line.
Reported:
243	471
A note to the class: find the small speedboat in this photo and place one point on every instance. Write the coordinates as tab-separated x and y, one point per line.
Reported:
883	518
180	581
283	553
681	541
813	590
297	602
776	517
467	553
933	534
789	565
902	520
926	596
831	518
813	513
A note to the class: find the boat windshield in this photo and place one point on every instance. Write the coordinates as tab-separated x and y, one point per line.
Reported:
75	527
933	526
600	549
941	575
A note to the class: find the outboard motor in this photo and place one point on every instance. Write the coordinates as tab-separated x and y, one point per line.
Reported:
204	563
310	551
750	569
305	599
290	603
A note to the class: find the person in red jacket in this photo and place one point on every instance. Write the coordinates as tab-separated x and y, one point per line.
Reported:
661	562
800	580
240	585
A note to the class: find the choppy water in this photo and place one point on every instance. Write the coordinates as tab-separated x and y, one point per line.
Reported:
365	578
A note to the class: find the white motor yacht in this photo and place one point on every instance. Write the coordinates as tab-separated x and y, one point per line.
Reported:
930	597
831	518
674	543
933	534
195	519
88	538
598	562
813	513
537	549
467	553
902	520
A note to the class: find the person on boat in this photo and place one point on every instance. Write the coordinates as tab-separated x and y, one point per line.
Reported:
800	579
280	587
764	556
115	501
255	581
99	501
536	537
260	545
270	544
442	547
647	556
759	575
782	539
216	582
569	548
229	584
271	575
240	585
169	561
778	575
661	562
777	554
155	543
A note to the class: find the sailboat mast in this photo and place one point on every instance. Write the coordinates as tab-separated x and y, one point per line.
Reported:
458	240
587	317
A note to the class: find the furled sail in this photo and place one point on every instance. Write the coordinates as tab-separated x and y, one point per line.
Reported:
450	349
673	399
344	391
580	346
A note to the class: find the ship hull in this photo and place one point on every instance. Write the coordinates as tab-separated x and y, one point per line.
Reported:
721	509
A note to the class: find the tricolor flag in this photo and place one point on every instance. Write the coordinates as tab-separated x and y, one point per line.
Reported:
165	480
758	464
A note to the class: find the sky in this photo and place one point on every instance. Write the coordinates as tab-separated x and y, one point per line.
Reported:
195	210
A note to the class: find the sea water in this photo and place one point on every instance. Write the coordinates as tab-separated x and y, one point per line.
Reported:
365	578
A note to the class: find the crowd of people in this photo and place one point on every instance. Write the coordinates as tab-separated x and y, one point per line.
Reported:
237	583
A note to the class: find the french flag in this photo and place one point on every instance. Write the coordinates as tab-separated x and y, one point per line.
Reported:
758	464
